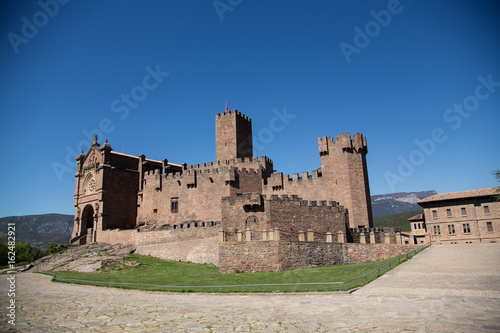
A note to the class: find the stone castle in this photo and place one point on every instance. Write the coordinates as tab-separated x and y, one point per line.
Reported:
216	212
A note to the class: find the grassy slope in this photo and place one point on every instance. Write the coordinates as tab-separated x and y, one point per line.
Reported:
396	220
162	272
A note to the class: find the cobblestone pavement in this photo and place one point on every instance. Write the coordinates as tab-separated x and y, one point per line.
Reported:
447	288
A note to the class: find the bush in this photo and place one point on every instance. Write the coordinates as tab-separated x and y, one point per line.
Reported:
55	248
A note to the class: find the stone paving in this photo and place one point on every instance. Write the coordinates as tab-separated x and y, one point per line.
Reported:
446	288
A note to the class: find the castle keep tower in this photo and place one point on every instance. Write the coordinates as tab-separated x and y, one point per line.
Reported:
233	132
343	167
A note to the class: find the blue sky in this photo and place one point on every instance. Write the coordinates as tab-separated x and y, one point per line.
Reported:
420	79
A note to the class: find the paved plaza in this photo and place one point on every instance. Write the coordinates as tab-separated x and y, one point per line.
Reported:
446	288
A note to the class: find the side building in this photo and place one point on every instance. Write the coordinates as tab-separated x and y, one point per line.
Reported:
418	233
463	217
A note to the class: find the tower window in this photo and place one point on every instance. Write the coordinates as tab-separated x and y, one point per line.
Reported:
174	205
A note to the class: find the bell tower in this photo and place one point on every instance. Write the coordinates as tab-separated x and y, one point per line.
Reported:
233	136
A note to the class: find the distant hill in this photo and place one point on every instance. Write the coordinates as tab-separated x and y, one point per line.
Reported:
399	220
393	203
40	230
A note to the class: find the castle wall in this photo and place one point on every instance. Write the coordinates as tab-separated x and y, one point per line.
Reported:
200	251
285	255
374	235
242	212
292	215
307	186
119	198
147	198
343	177
199	245
358	253
244	162
197	191
288	214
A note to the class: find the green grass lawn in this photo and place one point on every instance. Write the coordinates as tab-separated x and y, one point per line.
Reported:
169	273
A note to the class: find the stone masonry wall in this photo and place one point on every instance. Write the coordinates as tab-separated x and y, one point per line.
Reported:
197	245
233	136
283	255
343	166
301	255
198	193
290	215
357	253
249	256
200	251
343	177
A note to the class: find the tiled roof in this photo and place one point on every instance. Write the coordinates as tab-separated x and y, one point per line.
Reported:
418	217
460	195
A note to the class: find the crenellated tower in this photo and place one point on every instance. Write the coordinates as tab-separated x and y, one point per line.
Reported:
233	136
343	167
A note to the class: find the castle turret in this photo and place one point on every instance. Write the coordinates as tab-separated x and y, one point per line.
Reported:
343	166
233	136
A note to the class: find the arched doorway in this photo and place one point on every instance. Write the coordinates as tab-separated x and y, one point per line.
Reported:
87	219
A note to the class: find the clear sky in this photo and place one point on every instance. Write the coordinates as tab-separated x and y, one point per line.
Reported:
420	79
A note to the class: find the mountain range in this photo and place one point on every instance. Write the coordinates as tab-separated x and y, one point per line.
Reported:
39	230
394	203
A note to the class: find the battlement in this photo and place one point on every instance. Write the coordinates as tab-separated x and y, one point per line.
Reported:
309	203
255	198
277	180
152	172
217	166
233	113
304	176
263	160
374	235
390	230
343	142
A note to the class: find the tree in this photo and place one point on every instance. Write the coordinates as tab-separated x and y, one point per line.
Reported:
496	173
55	248
4	254
25	253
